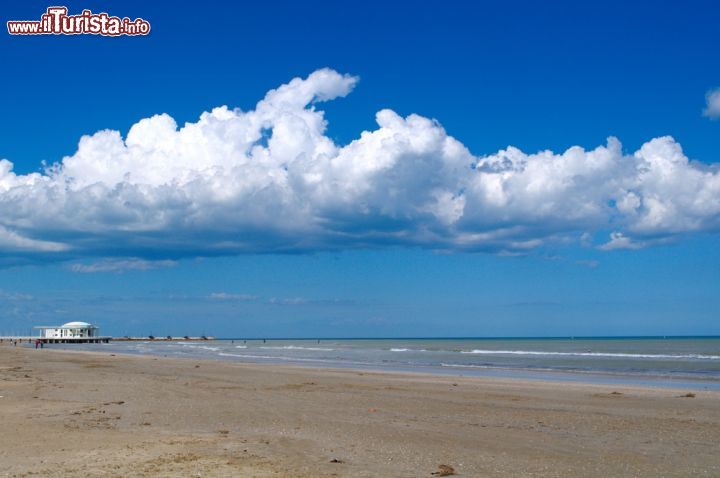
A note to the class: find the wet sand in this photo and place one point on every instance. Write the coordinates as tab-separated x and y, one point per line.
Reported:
67	413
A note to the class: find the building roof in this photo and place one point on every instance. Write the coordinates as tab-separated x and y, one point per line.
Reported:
77	325
69	325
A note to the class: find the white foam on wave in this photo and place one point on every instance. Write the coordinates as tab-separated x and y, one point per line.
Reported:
296	347
296	359
592	354
202	347
191	345
271	357
458	365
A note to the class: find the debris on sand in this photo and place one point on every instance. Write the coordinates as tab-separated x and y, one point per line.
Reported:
689	395
335	460
445	470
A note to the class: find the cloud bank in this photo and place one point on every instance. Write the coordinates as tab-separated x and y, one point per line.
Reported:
271	180
121	265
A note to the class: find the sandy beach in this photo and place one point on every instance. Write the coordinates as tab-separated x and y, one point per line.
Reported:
96	414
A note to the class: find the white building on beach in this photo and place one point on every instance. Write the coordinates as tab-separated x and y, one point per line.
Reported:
71	330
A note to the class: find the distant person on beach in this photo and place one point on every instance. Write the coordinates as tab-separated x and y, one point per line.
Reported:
37	343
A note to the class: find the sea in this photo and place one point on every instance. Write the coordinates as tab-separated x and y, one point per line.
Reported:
678	362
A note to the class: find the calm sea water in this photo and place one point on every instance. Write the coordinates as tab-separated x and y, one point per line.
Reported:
679	362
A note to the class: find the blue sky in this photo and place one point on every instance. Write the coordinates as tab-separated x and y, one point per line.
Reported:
391	259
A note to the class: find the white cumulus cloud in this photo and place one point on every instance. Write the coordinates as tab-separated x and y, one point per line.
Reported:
271	180
232	297
712	104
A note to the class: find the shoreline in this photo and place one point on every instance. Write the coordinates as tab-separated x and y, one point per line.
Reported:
676	381
141	415
419	373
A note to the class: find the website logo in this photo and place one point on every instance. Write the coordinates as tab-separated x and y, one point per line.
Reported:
56	21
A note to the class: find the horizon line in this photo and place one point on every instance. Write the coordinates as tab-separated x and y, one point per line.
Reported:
567	337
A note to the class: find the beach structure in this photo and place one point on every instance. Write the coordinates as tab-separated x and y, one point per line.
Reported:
71	332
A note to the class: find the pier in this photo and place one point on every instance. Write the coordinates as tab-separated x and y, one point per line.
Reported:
104	339
74	340
58	340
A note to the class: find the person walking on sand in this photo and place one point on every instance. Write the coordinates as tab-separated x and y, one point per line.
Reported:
37	344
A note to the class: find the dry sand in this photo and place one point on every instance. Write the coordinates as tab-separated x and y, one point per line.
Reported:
85	414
